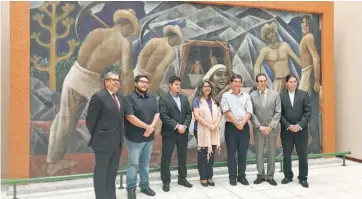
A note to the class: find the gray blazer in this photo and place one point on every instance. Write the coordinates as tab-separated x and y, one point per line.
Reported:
268	116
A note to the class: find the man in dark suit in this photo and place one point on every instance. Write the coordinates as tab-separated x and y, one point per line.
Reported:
105	123
175	113
296	112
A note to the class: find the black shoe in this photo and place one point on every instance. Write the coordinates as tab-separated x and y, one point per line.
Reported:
211	183
259	180
166	187
304	183
233	182
272	182
204	184
131	194
243	181
286	180
148	191
184	182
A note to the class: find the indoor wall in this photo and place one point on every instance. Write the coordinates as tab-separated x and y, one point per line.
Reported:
348	67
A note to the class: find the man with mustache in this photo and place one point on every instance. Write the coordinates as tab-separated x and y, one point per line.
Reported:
142	114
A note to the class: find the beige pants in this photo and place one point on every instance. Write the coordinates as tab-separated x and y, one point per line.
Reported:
306	81
78	87
278	84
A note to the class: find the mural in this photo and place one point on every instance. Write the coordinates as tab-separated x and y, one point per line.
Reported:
74	43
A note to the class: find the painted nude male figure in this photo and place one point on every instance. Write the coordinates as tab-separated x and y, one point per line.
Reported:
277	55
197	68
310	59
101	48
158	54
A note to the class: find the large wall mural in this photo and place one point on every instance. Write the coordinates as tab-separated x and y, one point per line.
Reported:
74	43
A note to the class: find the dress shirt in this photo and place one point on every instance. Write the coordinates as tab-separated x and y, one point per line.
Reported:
239	104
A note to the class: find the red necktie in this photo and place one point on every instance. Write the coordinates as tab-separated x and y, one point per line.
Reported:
115	101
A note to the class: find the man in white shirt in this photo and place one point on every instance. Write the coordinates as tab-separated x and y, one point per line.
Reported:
238	108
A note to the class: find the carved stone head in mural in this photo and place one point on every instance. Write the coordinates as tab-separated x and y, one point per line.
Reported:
127	21
269	32
174	35
219	76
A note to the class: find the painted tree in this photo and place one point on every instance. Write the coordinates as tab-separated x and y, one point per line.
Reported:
49	9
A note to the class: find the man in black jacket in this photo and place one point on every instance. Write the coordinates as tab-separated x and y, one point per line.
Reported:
105	122
296	112
175	113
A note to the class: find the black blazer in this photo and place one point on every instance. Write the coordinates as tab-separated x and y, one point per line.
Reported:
104	122
299	113
170	114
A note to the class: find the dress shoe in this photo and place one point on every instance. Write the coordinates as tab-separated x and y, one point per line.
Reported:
148	191
131	194
204	183
233	182
166	187
184	183
272	182
259	180
243	181
211	183
286	180
304	183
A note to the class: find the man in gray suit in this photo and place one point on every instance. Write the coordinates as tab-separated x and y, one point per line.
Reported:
265	119
105	122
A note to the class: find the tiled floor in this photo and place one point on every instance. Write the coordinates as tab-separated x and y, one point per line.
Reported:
326	181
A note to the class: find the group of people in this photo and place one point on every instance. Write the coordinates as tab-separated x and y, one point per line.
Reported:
111	116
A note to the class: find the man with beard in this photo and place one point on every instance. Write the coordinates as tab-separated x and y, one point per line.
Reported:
142	114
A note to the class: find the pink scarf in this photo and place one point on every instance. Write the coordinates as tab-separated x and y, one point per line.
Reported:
206	137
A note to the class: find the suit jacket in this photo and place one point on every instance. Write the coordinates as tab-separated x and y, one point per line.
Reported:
104	122
170	114
299	113
268	115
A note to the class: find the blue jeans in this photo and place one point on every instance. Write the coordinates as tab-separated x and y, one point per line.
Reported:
139	155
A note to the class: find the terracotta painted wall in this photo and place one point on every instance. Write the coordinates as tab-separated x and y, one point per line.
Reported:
348	67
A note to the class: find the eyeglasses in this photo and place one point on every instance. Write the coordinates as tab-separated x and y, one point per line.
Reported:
114	80
143	82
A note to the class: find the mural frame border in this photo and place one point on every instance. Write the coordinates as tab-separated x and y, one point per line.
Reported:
199	43
19	124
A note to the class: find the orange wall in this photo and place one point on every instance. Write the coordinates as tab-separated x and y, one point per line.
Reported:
19	134
19	144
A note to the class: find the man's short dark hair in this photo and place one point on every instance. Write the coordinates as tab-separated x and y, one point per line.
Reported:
138	77
260	75
173	79
290	76
236	76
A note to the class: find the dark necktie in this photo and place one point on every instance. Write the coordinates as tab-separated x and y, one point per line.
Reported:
115	101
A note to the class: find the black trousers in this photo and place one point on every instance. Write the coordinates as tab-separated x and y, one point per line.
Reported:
300	140
105	173
204	165
237	143
168	145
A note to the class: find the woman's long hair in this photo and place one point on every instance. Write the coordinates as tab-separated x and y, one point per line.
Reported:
212	94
